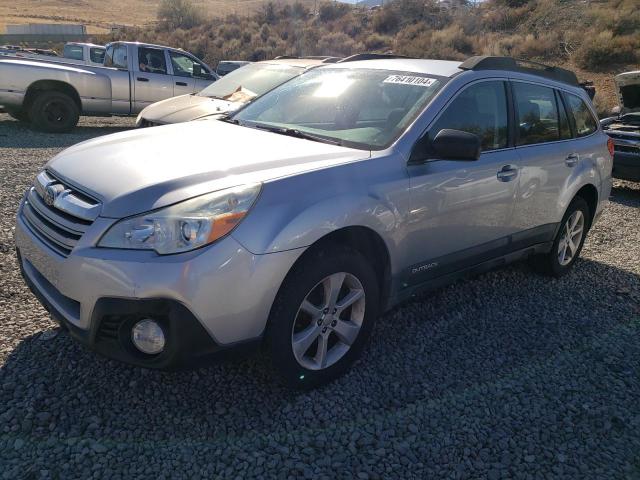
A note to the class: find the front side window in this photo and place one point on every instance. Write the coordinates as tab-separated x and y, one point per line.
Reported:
151	60
96	54
360	108
185	66
584	122
537	114
480	109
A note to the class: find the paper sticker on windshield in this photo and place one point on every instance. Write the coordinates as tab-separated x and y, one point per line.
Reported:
409	80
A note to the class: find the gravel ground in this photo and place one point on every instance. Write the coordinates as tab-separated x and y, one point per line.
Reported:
508	375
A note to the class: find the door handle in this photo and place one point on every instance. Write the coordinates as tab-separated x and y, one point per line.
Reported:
507	173
142	79
572	160
182	84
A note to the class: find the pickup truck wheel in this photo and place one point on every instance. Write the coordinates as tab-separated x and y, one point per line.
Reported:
19	115
568	242
54	112
322	317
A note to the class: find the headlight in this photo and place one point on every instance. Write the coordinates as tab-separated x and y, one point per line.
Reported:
186	225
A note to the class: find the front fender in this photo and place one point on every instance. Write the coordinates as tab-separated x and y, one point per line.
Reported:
297	212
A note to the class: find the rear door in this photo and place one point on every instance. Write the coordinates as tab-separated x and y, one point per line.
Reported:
151	79
543	143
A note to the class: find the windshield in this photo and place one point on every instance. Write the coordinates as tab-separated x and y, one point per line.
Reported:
253	80
360	108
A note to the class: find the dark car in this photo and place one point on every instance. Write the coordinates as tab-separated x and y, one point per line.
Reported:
624	128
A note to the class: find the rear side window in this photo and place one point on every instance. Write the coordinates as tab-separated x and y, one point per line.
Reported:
565	128
96	54
480	109
583	120
73	51
537	114
116	56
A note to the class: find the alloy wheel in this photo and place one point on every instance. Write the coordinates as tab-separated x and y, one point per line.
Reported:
328	321
571	238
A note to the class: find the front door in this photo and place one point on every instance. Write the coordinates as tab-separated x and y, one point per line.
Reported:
189	75
461	212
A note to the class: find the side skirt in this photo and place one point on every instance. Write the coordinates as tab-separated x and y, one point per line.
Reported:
470	271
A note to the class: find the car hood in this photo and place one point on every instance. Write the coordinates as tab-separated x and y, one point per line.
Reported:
628	85
139	170
185	108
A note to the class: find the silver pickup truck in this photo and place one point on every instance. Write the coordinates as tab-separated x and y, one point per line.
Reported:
52	96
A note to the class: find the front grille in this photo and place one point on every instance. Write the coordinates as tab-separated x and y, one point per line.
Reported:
58	214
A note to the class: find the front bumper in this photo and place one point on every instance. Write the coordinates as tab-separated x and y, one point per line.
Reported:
207	300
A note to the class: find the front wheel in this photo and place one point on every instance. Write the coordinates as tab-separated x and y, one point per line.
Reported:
322	317
568	242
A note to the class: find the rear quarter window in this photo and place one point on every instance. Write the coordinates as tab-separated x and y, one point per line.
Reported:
585	123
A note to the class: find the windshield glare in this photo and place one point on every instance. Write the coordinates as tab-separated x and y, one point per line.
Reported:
360	108
254	79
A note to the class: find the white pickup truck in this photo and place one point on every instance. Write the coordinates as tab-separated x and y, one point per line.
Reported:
53	95
78	53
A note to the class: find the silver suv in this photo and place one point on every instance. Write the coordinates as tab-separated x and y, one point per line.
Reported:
326	202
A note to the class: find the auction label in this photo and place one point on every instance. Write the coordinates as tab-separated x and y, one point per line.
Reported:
409	80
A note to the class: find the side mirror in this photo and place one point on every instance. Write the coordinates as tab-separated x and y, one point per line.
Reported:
197	70
450	144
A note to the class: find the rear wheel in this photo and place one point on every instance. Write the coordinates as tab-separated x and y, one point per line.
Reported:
568	242
54	112
322	317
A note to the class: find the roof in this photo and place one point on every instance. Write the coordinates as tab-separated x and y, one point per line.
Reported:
442	68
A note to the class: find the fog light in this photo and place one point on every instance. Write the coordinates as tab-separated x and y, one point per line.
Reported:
148	336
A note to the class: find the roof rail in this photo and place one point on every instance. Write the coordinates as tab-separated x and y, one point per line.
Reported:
370	56
517	65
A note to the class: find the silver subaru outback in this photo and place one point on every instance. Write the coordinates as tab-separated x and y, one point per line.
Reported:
326	202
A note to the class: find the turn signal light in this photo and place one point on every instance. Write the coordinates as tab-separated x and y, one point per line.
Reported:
610	146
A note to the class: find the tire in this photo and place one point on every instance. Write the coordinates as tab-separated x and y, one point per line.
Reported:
54	112
302	368
19	115
553	263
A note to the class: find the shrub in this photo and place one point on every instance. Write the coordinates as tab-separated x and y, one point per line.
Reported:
377	42
603	50
178	14
332	11
386	20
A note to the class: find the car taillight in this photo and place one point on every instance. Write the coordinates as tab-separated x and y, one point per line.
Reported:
610	146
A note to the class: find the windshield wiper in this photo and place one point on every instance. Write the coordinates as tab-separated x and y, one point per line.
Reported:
227	118
294	132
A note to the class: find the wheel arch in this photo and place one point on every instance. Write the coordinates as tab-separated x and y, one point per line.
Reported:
366	241
589	193
50	86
